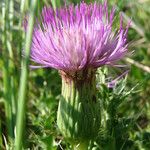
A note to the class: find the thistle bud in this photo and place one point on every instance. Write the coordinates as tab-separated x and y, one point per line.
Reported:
78	115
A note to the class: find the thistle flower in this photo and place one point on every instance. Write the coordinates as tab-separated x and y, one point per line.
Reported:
76	40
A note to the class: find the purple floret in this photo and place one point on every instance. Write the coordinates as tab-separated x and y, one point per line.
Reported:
78	37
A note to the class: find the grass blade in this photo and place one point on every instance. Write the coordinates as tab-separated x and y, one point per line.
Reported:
23	80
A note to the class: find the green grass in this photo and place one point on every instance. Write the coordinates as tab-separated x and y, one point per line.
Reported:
32	96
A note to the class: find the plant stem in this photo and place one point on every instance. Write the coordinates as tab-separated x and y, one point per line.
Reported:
11	62
23	80
53	4
6	76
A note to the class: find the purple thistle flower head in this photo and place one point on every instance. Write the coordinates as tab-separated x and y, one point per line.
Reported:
79	37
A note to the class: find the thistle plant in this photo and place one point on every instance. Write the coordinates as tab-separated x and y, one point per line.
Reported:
76	40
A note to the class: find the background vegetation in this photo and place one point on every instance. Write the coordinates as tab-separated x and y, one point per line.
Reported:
42	87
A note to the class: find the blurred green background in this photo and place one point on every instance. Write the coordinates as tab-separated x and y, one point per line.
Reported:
44	85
